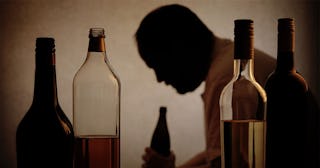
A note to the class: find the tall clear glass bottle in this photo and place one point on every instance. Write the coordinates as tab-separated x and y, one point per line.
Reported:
45	135
96	105
292	132
243	107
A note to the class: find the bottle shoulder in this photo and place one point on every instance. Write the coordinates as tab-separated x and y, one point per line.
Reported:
40	120
287	81
96	73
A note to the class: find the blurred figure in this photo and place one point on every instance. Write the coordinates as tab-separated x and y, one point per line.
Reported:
183	53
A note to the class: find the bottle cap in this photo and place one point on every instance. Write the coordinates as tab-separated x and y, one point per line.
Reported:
45	49
286	36
45	43
243	39
286	25
96	32
163	109
243	27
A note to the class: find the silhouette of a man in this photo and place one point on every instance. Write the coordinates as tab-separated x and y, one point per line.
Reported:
183	53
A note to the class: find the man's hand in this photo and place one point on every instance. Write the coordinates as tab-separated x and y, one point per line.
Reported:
153	160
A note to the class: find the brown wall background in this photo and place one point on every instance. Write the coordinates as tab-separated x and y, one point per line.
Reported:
68	21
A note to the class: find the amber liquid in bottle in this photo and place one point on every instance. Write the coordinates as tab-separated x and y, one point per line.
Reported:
97	153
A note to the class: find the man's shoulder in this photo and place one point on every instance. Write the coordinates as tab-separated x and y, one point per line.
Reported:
259	53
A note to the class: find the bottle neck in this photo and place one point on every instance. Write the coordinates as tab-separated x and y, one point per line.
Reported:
243	57
96	50
243	49
163	115
45	87
96	44
243	68
285	54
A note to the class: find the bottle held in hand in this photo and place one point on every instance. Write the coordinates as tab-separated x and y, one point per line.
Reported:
161	140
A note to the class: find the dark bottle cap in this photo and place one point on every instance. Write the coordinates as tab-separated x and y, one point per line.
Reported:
96	43
243	26
243	39
286	36
45	43
163	109
45	49
286	25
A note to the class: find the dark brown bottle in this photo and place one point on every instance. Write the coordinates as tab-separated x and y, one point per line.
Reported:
44	137
161	140
291	138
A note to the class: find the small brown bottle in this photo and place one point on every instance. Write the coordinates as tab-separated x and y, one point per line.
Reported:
161	140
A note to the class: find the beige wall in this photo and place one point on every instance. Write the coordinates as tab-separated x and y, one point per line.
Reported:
68	22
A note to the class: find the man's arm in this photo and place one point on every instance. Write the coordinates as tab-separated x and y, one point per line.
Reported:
154	160
198	161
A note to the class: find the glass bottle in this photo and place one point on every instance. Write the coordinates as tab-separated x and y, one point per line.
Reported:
161	140
45	137
243	107
291	140
96	105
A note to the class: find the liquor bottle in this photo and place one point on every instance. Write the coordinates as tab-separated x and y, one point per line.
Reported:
291	140
44	137
160	139
96	105
243	107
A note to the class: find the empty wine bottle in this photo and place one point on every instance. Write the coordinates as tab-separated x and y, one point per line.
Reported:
291	138
242	107
161	140
96	106
45	136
